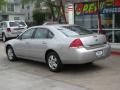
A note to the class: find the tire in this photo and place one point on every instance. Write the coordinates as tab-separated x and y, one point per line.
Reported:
10	54
90	63
4	37
54	63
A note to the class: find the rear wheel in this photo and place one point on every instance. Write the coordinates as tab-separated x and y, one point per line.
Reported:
54	63
10	54
90	63
4	38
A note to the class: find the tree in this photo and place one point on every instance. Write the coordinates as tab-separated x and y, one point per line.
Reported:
38	17
2	2
49	3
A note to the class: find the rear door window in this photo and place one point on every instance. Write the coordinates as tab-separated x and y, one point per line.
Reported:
43	33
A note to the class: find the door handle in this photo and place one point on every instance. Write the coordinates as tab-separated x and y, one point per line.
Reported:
27	42
44	43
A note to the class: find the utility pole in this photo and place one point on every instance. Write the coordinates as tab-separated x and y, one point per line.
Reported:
99	18
62	11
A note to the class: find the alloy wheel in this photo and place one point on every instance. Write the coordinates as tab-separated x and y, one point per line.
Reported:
52	61
10	54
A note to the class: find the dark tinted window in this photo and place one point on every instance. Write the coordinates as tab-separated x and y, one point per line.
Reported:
74	30
17	23
43	33
21	23
0	25
4	25
13	24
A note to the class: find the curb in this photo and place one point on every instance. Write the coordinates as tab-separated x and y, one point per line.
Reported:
115	53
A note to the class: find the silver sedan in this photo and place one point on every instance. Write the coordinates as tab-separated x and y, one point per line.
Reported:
56	45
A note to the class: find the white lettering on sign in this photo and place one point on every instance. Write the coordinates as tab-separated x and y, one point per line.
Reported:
111	10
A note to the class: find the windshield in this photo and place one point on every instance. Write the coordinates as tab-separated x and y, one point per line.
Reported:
74	31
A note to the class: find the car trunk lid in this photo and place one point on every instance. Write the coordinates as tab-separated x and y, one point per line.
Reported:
92	40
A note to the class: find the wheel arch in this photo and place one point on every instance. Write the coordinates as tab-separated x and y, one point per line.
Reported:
3	33
48	51
8	46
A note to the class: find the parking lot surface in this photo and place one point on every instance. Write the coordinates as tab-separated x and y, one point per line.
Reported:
29	75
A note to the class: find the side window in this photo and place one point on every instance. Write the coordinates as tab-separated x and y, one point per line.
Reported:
43	33
28	34
1	25
50	34
4	25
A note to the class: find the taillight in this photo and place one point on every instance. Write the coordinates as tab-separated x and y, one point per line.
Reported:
76	43
8	30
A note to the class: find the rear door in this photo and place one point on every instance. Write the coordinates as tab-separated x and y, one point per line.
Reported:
38	45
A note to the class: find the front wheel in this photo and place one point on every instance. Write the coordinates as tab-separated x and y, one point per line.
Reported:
54	63
10	54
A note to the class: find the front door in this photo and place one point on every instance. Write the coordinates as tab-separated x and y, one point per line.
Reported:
22	46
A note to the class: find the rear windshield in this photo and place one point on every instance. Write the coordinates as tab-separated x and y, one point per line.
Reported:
74	31
21	23
17	23
13	24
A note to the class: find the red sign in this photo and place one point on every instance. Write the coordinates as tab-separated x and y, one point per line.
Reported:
70	7
85	8
117	3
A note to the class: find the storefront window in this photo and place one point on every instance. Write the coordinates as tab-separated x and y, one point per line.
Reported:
106	21
117	20
86	14
88	21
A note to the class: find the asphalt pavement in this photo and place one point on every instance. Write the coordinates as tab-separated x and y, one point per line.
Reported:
29	75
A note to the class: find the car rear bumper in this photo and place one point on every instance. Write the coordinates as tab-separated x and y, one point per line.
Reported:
12	35
82	55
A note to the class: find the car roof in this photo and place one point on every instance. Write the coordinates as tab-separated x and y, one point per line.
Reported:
55	25
13	21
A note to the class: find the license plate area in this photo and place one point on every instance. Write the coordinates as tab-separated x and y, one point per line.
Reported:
99	53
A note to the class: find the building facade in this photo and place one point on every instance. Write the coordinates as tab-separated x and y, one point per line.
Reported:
86	15
12	11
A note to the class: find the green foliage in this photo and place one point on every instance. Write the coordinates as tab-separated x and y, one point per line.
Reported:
38	17
2	2
49	3
27	1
